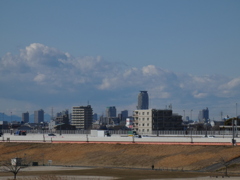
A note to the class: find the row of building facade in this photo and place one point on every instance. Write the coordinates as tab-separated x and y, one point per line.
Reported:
143	119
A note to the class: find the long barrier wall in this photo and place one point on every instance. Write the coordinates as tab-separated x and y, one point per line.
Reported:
125	132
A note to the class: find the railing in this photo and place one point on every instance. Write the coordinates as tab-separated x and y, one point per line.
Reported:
119	132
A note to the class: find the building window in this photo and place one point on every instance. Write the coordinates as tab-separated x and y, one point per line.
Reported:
143	113
143	124
147	118
147	113
147	130
143	119
143	130
147	124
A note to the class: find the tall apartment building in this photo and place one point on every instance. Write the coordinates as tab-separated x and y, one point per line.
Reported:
25	117
149	120
203	115
124	115
143	100
95	117
111	111
39	116
82	117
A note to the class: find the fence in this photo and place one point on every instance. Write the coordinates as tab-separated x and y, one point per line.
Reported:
125	132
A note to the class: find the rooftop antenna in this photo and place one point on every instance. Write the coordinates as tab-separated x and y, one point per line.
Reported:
170	106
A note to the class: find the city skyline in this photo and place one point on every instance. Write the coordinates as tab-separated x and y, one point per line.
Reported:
183	53
48	116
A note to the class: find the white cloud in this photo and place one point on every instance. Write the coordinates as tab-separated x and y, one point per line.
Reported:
159	92
150	70
197	94
233	83
40	69
40	78
36	54
106	84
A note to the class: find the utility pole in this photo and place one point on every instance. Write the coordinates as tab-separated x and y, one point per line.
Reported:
233	140
236	122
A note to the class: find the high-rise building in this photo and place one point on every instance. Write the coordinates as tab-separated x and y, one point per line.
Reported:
203	115
95	117
62	117
124	115
142	100
82	117
39	116
111	111
25	117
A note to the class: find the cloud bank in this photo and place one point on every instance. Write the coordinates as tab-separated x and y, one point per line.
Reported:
44	76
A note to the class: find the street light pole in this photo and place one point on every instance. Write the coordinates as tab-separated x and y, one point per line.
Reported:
236	124
43	126
2	128
191	136
60	129
233	141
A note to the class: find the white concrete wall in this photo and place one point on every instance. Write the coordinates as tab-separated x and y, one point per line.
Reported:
116	138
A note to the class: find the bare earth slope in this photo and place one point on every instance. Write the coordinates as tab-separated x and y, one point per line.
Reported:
120	155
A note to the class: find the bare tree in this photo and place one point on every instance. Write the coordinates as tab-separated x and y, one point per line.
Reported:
12	166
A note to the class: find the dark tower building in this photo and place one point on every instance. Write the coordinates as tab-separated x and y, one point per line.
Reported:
39	116
25	117
203	115
111	111
142	100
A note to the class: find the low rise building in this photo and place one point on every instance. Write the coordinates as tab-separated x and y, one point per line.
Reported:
149	120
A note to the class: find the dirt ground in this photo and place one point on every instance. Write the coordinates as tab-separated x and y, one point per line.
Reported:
77	173
163	157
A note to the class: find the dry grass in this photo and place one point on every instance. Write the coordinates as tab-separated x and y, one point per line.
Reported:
121	155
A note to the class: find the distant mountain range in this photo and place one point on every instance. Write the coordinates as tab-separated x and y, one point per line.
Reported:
10	118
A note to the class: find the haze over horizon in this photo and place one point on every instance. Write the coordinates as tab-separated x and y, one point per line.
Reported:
58	54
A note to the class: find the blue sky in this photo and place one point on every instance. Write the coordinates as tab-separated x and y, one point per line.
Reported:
64	53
